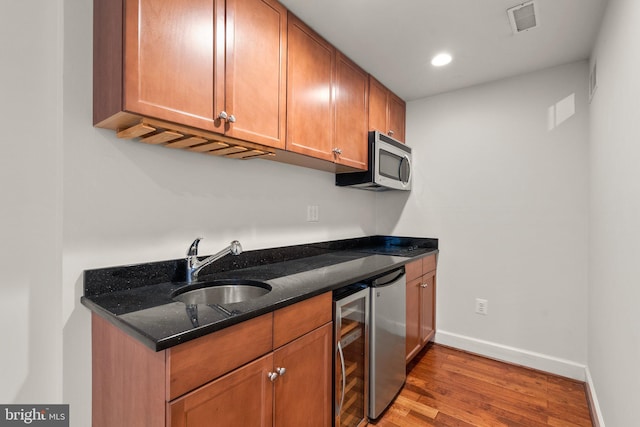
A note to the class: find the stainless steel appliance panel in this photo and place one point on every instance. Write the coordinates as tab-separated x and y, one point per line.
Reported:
389	166
387	369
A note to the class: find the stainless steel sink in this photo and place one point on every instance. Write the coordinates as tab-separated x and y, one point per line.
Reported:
223	291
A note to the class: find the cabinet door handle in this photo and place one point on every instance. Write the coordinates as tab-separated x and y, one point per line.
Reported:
424	285
337	151
226	117
281	371
272	376
390	133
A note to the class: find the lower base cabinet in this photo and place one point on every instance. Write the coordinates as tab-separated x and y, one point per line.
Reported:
303	391
421	292
243	397
299	393
222	379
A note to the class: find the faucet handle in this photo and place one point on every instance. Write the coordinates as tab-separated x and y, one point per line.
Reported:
235	248
193	249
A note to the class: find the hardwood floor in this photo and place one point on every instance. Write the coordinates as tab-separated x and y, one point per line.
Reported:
448	387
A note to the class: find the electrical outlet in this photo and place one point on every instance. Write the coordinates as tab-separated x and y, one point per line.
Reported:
482	306
313	213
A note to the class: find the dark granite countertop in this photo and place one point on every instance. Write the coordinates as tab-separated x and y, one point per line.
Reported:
138	298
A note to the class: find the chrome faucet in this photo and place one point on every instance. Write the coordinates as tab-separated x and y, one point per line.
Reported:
194	265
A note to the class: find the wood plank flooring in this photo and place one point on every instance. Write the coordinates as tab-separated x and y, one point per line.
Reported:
448	387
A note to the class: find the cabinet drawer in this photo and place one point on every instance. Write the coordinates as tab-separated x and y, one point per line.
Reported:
413	269
197	362
296	320
428	264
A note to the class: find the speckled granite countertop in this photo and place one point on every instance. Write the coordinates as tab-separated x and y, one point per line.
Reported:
138	298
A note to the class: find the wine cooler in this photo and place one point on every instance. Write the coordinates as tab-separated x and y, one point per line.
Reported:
351	345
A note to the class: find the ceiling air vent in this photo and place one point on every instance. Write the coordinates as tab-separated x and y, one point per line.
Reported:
523	17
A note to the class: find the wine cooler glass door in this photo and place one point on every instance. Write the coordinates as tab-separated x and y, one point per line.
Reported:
352	359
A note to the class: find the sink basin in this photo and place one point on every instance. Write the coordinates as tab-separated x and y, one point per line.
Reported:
223	291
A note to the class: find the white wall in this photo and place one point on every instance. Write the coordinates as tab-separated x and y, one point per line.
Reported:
508	199
614	317
127	202
30	187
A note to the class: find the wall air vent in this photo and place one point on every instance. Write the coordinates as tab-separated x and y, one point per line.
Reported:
523	17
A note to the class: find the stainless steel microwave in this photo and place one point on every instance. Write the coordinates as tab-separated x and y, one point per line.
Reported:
389	166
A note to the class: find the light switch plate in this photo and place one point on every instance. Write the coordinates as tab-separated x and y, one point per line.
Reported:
313	213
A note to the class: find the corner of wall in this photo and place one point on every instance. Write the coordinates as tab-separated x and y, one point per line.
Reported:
594	405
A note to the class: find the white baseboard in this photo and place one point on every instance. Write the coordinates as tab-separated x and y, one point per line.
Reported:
593	401
542	362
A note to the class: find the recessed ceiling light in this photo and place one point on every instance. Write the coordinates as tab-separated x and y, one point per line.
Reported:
441	59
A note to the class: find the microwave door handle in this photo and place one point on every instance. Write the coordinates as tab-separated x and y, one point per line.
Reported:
405	177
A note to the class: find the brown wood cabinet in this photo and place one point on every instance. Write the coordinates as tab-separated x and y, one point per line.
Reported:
233	78
303	389
170	58
195	63
300	394
236	376
351	100
326	100
256	47
387	111
243	397
310	80
421	292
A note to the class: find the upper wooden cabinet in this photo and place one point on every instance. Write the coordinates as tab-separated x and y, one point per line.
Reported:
351	93
310	78
256	41
171	55
236	78
387	112
192	62
326	100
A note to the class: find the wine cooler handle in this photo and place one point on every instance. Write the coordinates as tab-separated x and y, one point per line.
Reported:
344	378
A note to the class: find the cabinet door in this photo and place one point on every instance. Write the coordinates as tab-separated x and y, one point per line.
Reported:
351	113
171	62
377	106
303	392
413	317
427	320
397	113
256	40
243	397
310	111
